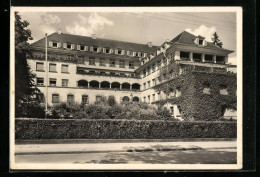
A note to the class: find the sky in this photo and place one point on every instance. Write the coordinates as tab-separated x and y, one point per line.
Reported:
137	27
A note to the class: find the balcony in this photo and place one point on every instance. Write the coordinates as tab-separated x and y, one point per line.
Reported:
106	74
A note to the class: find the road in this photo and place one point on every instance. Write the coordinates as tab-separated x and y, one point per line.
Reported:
201	156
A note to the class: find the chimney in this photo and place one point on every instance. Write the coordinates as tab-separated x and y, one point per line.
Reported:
59	31
94	36
150	44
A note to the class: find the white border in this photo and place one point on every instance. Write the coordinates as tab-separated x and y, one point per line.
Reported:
57	166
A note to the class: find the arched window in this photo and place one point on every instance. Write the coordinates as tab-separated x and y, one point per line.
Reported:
94	84
105	84
115	85
83	83
136	99
125	98
126	86
136	86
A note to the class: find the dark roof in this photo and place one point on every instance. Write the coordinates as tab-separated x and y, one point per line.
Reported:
188	38
88	41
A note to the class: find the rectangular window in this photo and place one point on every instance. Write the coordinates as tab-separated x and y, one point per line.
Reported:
171	109
149	99
70	98
92	61
55	98
131	64
82	47
149	84
98	98
64	82
153	68
39	66
81	59
102	62
39	81
144	86
153	82
122	63
84	99
55	44
144	99
40	97
144	72
112	63
165	61
52	67
153	97
64	68
68	46
148	71
159	64
52	82
95	49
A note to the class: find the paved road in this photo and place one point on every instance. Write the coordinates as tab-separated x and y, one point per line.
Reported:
205	156
211	152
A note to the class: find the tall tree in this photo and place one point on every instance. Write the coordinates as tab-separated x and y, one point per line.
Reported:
24	79
216	40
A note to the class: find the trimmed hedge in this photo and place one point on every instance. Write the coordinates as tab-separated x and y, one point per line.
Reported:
29	129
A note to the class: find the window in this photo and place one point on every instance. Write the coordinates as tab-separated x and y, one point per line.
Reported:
55	44
64	82
153	68
153	97
223	89
106	50
84	99
200	41
144	86
149	84
149	99
39	81
102	62
98	98
70	57
64	68
153	82
144	72
130	53
69	46
39	66
92	61
82	47
122	64
148	71
144	99
159	95
95	49
81	59
172	110
70	98
55	98
159	64
112	63
178	92
131	64
165	61
52	82
52	67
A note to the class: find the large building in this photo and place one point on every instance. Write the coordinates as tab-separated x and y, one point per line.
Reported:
83	69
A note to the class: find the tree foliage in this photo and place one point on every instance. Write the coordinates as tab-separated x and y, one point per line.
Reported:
216	40
24	79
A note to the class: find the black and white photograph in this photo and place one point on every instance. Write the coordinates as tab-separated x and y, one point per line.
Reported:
126	88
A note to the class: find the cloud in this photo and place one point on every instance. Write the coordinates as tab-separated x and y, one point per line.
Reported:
50	19
204	31
87	26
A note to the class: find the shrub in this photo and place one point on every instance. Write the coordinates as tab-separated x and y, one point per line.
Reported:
67	110
111	101
30	110
120	129
94	111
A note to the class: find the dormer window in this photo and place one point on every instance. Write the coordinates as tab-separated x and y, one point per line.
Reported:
200	41
55	44
106	50
82	47
95	49
68	46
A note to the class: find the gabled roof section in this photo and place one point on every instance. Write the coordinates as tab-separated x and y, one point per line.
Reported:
88	41
188	38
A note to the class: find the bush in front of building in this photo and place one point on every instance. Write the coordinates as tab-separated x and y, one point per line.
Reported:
29	129
30	110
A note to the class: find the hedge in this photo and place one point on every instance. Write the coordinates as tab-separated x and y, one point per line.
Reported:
33	129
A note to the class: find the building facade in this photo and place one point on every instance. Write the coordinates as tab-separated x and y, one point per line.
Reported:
83	69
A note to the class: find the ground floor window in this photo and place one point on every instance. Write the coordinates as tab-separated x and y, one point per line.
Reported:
84	99
126	98
70	98
55	98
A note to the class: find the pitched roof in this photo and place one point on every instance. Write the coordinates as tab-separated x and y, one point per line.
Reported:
88	41
188	38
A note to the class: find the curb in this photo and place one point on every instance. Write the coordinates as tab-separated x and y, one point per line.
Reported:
128	150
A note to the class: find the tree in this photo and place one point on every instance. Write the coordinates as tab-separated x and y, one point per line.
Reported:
24	79
216	40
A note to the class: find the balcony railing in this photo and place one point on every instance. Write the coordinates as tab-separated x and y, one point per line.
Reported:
106	74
